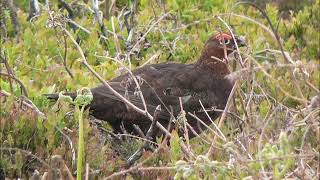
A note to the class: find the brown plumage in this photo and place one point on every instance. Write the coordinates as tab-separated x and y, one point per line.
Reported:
163	84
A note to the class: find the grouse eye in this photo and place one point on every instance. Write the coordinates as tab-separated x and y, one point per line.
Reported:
226	41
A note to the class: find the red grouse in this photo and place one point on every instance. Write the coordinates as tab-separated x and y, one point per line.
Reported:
163	84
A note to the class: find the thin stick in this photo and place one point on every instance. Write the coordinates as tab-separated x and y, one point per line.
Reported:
233	37
27	153
137	155
208	127
140	168
183	113
9	70
195	133
115	37
223	116
65	57
23	88
87	172
146	33
285	55
134	79
214	124
157	54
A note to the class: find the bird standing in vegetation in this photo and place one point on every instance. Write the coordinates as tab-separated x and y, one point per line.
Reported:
171	85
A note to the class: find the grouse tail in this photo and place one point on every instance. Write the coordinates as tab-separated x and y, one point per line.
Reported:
55	96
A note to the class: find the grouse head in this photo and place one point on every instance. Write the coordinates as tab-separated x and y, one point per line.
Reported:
217	44
215	49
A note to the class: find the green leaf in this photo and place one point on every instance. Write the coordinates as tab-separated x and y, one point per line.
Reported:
175	151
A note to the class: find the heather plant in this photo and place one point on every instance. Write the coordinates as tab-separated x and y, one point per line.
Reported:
271	126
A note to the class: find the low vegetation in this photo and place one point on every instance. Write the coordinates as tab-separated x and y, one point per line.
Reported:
270	128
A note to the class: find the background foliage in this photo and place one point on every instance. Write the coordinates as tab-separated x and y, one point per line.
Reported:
279	135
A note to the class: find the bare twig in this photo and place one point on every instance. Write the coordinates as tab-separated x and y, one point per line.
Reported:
34	9
183	114
233	37
23	88
99	16
279	41
65	57
223	116
204	124
87	171
3	56
73	152
157	54
244	72
139	131
140	168
146	144
27	153
214	124
134	79
146	33
196	134
115	38
251	20
266	120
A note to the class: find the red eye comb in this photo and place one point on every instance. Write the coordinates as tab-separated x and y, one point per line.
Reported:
221	36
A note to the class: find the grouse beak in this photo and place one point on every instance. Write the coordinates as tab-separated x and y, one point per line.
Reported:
241	41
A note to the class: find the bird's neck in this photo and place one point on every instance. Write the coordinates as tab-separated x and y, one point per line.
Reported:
214	64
